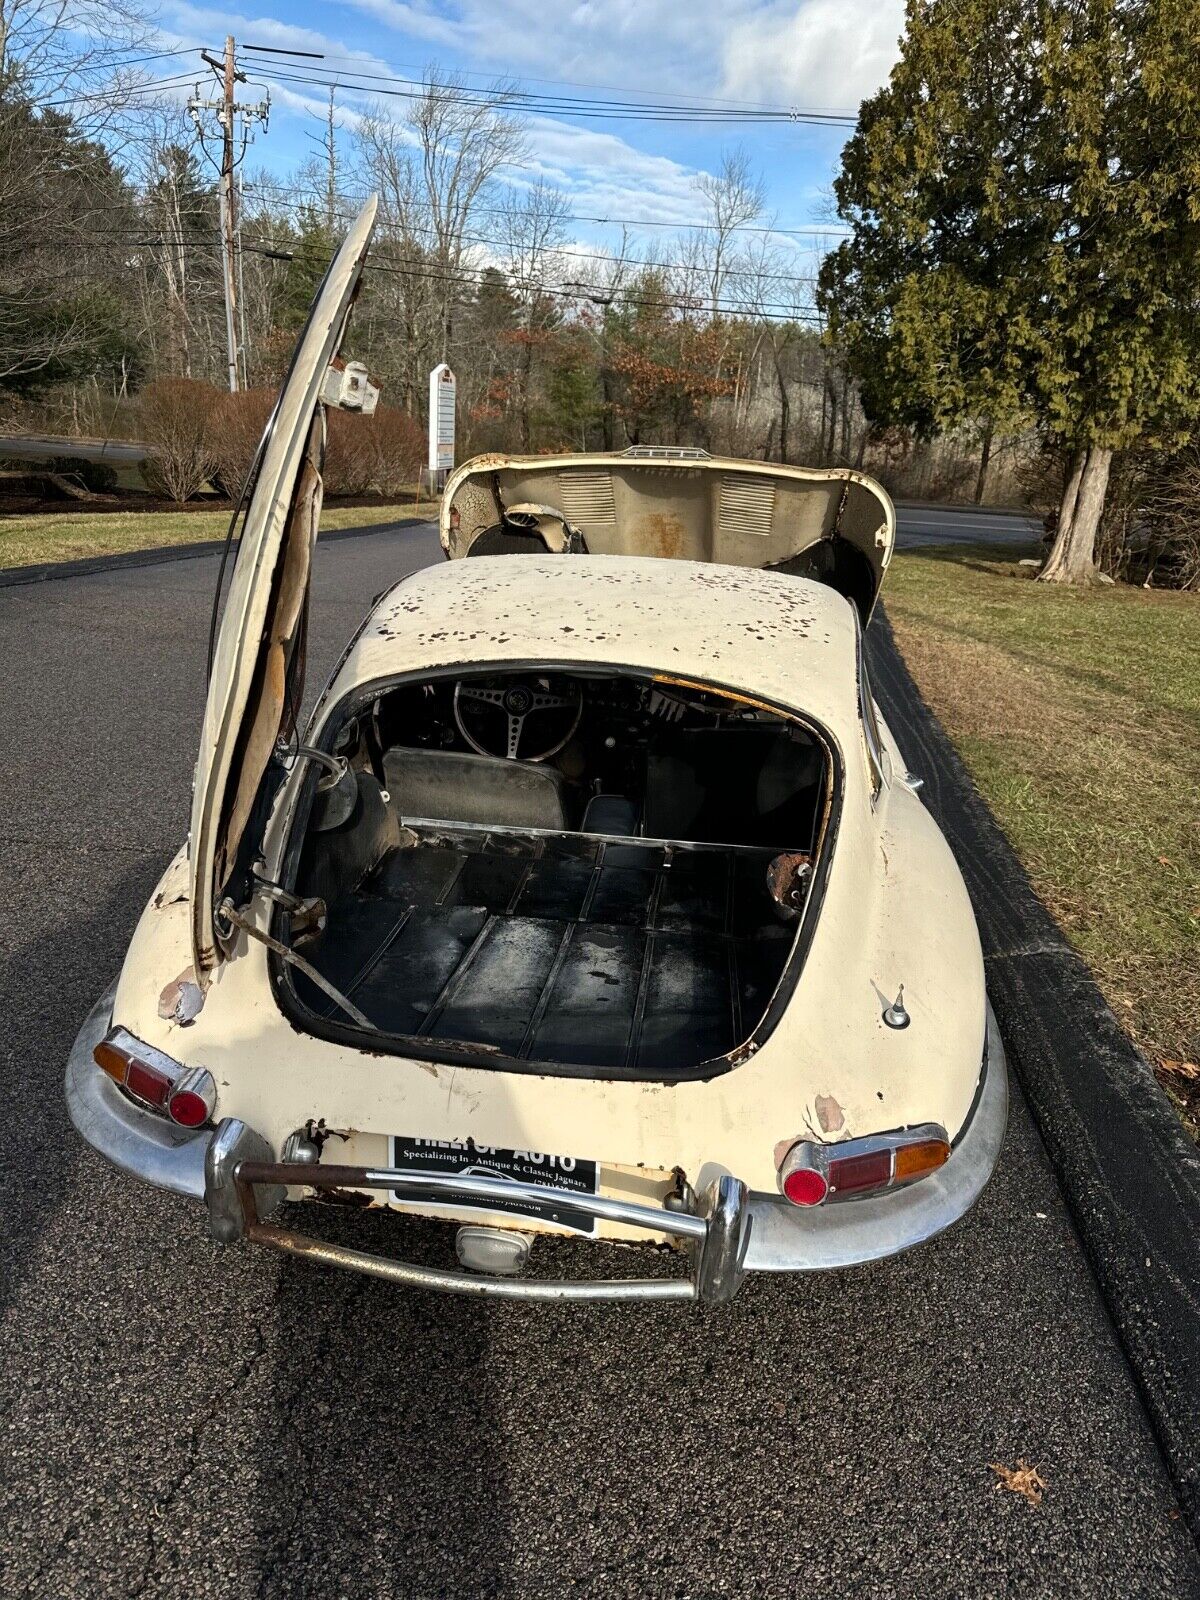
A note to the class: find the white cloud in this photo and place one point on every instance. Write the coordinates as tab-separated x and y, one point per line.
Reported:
822	54
602	175
654	46
417	22
211	24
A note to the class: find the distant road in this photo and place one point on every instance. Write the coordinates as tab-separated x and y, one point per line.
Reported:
921	524
48	446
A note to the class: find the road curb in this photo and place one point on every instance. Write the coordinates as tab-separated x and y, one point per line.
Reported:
47	572
1129	1173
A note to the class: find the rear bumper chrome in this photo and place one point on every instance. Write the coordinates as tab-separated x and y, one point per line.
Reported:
787	1238
731	1232
145	1146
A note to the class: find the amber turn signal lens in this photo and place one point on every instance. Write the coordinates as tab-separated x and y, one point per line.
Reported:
111	1060
915	1160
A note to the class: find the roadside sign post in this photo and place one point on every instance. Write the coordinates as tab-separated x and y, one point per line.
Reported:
443	388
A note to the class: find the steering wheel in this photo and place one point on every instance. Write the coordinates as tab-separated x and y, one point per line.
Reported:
496	716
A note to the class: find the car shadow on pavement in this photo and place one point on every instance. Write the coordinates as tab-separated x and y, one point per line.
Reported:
383	1444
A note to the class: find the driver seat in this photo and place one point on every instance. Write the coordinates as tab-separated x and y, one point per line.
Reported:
457	786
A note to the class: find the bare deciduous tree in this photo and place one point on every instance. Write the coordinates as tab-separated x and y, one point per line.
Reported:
734	198
464	138
532	236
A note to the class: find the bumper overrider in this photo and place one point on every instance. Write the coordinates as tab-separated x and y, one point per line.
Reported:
729	1231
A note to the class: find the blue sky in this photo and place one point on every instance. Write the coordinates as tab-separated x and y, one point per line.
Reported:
816	54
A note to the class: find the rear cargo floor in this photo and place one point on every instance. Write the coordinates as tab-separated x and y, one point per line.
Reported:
559	947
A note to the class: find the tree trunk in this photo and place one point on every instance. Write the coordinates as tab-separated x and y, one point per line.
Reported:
827	449
845	442
785	409
526	385
1073	558
985	455
1070	494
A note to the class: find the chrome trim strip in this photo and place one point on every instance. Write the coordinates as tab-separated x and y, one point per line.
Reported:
787	1238
146	1146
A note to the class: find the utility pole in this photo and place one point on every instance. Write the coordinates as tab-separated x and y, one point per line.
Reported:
227	109
229	210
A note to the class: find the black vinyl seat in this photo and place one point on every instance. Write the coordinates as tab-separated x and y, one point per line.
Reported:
456	786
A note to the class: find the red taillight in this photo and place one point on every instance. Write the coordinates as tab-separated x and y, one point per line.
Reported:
187	1094
149	1083
805	1186
193	1099
811	1173
853	1174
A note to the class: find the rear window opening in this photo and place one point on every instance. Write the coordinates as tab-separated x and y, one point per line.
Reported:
546	870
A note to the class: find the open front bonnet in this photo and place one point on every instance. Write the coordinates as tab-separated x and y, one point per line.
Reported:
837	526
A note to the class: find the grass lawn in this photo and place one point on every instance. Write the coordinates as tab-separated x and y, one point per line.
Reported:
1078	715
71	535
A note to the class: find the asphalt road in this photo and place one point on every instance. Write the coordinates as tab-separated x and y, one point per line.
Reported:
183	1421
920	524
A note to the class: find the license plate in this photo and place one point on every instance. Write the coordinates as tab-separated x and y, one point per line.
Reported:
559	1176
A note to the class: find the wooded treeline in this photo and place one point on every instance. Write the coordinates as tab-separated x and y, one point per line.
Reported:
1012	315
111	286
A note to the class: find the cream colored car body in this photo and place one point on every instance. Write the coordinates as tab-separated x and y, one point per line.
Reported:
894	911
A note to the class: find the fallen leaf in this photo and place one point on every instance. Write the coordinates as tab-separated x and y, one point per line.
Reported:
1182	1069
1164	861
1021	1479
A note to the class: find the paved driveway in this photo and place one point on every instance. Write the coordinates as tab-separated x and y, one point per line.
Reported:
182	1421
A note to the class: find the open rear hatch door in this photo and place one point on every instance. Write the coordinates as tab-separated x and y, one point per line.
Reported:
837	526
256	676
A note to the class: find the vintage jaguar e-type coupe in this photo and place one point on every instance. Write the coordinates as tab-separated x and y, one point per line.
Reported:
595	900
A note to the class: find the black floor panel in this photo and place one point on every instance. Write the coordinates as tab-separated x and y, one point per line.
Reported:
560	948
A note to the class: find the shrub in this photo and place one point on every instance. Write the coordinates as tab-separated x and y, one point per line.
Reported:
235	429
347	453
398	449
1151	528
175	417
383	452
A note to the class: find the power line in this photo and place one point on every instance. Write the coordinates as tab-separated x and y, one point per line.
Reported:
559	83
754	274
472	278
118	93
810	230
734	274
566	106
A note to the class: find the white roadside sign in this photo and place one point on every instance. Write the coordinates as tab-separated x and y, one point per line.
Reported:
442	391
